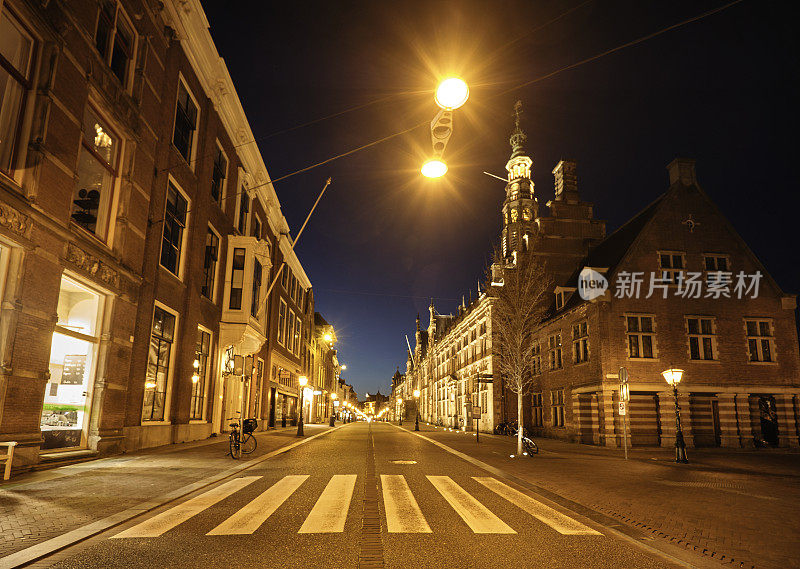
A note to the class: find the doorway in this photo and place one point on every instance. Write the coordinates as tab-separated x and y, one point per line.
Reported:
73	361
769	419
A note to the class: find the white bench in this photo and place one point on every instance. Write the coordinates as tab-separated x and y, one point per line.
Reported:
9	456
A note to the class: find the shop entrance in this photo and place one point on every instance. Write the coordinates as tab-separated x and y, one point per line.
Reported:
73	361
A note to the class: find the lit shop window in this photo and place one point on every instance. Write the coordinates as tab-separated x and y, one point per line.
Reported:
73	355
199	374
158	365
16	57
97	170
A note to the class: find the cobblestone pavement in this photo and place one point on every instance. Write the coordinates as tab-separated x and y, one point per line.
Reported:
38	506
740	507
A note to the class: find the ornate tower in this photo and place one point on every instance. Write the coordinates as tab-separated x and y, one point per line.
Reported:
520	207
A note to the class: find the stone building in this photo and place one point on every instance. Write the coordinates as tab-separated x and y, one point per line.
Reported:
139	237
683	291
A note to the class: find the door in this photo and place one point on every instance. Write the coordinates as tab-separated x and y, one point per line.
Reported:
73	356
769	419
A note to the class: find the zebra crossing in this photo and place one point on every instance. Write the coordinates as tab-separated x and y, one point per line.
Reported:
329	514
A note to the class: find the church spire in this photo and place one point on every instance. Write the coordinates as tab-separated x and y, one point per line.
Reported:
518	137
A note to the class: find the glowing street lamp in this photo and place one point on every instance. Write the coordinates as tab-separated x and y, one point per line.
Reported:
452	93
673	377
302	381
416	420
400	410
434	168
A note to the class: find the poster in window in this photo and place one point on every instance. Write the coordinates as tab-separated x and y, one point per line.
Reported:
74	369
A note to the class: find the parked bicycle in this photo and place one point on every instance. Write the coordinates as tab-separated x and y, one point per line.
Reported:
529	446
241	438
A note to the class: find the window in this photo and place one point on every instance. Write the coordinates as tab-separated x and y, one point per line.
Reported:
716	262
97	163
254	304
554	351
759	340
290	331
174	225
292	287
244	209
155	386
282	323
115	39
210	264
537	358
640	336
298	328
202	351
237	278
538	420
16	62
256	229
580	342
483	328
671	265
285	277
702	340
185	122
218	175
557	407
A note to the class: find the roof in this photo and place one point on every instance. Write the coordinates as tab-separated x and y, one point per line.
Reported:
611	250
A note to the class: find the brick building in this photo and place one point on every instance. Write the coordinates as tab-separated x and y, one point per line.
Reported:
685	292
139	236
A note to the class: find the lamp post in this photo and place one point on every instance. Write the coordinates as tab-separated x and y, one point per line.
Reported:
333	410
416	404
302	381
400	411
673	377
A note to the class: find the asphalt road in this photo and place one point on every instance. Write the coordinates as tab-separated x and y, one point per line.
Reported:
305	509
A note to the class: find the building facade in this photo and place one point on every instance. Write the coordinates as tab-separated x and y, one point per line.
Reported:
682	291
148	284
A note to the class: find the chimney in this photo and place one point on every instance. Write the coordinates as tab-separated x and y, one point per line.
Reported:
682	170
566	180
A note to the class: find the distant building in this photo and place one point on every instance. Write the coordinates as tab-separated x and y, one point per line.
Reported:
736	339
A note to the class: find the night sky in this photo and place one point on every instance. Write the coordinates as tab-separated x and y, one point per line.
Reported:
384	240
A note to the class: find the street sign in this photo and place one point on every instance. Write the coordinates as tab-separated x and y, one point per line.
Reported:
623	408
476	410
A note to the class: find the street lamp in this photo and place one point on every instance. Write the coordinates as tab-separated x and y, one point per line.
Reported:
673	377
333	409
434	168
400	411
452	93
416	421
302	381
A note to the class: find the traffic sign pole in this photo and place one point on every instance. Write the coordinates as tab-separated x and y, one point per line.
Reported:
624	397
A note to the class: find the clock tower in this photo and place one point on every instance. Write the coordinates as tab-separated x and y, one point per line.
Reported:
520	207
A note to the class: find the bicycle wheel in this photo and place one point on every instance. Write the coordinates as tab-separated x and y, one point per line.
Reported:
236	449
249	443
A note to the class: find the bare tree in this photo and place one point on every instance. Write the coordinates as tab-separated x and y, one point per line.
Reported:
521	291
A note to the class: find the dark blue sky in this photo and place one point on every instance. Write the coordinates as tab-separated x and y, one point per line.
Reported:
384	240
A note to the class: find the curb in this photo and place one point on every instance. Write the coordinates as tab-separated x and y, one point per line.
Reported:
672	553
53	545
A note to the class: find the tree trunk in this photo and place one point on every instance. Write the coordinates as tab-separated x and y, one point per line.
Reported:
519	423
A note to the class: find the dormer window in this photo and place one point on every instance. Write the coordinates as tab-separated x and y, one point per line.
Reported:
562	296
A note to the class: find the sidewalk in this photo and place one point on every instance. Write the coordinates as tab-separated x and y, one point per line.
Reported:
740	507
38	506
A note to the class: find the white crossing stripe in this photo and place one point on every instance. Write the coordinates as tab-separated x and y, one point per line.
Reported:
330	512
560	522
167	520
476	515
402	511
249	519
